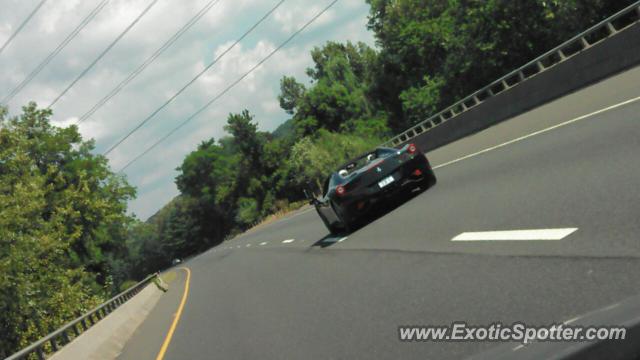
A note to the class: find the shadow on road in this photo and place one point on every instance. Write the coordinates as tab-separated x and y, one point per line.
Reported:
381	209
329	240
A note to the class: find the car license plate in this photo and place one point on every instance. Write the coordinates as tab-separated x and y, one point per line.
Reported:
386	181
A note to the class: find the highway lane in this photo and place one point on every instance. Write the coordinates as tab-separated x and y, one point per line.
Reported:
146	341
345	299
285	303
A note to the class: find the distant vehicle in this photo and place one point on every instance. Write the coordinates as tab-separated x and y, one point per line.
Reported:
176	261
358	185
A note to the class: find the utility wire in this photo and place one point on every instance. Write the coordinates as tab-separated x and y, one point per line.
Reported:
103	53
6	43
55	52
283	44
192	80
148	62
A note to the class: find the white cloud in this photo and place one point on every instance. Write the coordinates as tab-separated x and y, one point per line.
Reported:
154	174
5	32
270	106
293	17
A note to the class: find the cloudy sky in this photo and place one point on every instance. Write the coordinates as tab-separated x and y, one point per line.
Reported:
154	174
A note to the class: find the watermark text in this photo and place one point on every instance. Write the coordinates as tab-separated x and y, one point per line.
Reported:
519	332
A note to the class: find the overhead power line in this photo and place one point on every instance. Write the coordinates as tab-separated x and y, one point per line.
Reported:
103	53
283	44
255	25
55	52
21	26
148	62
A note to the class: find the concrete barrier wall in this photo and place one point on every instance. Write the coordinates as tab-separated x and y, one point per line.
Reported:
616	54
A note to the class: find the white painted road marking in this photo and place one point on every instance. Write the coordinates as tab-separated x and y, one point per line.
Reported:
540	131
263	243
334	239
571	320
287	241
248	245
539	234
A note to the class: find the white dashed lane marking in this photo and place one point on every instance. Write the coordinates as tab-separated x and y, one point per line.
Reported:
263	243
571	320
537	234
334	239
287	241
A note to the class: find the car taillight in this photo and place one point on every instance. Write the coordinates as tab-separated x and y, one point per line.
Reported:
412	149
340	190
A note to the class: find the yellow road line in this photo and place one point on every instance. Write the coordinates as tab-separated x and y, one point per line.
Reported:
169	276
172	329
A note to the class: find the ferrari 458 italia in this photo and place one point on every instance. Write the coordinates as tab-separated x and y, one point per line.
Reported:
352	190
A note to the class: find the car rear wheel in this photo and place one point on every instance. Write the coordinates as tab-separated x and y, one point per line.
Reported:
346	224
332	229
428	181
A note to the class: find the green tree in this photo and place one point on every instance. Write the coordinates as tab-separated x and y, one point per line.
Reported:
312	159
341	76
208	176
248	212
77	178
418	103
291	92
43	196
463	45
145	252
245	138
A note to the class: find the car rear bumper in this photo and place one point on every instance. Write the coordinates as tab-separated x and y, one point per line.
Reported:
405	180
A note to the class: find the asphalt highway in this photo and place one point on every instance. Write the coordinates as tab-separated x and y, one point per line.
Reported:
288	290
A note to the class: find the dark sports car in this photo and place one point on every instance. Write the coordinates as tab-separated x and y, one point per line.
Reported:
351	191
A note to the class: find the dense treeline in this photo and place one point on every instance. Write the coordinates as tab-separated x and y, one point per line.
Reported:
65	239
432	53
63	227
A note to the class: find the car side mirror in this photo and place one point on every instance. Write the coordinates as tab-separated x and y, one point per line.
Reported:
309	196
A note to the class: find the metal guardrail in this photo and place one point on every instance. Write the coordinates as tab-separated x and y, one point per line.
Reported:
577	44
64	335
